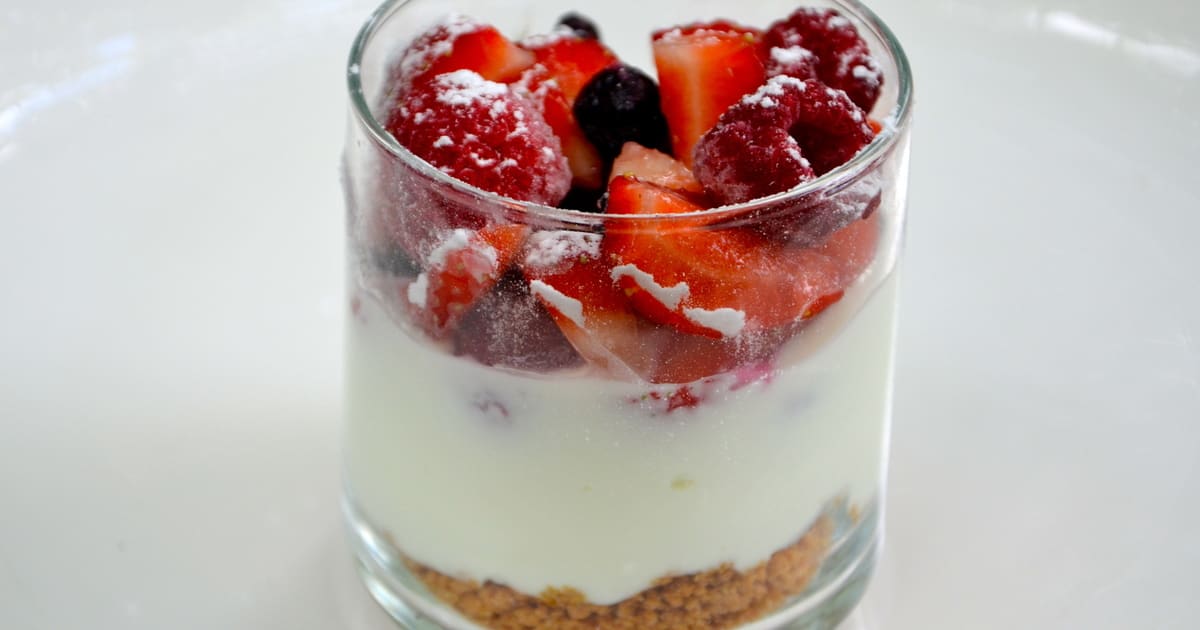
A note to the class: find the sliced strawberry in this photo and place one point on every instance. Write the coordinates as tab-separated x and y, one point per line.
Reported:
570	60
658	168
458	43
563	64
461	269
702	70
575	283
719	282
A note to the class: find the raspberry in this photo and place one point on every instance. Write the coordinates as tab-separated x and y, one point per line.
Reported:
481	133
782	135
765	161
844	60
796	61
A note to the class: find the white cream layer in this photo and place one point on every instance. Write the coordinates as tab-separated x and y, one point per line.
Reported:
562	481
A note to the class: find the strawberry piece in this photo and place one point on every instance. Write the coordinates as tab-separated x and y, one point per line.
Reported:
658	168
458	43
720	283
563	64
481	133
461	269
574	282
702	70
844	59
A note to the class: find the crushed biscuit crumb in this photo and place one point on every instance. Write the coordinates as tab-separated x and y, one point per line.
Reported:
721	597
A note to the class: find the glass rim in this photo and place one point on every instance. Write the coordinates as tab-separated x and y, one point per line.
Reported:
895	124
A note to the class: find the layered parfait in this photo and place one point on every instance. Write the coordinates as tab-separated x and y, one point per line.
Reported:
616	356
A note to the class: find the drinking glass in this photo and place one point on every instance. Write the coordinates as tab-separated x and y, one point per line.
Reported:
530	460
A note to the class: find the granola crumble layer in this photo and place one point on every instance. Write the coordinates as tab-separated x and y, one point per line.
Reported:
722	597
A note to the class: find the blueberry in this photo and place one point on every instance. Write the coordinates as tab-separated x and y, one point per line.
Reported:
621	104
582	26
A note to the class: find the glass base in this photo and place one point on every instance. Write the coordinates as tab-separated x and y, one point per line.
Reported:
828	600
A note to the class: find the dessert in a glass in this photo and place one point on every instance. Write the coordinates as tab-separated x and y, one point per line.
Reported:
621	310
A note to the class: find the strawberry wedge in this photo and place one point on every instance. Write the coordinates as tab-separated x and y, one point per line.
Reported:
568	275
562	66
722	283
702	70
459	43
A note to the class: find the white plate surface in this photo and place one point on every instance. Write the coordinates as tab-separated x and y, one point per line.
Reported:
170	259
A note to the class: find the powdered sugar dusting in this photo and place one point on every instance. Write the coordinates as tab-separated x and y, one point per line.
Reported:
463	88
669	297
838	21
793	152
791	55
868	72
542	40
418	289
459	240
571	308
438	42
443	141
551	249
727	321
773	87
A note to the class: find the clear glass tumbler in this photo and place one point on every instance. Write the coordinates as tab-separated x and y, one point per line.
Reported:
549	462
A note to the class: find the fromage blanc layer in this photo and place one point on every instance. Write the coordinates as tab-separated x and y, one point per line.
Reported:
570	481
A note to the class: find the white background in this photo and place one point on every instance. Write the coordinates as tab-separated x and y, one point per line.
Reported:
170	307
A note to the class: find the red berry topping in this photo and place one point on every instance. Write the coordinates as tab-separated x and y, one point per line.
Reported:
564	62
716	282
702	70
461	269
805	127
483	134
844	60
458	43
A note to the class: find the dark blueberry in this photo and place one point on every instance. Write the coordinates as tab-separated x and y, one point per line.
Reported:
509	327
621	104
584	199
582	26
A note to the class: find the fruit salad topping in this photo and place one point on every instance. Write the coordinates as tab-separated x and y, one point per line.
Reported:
736	114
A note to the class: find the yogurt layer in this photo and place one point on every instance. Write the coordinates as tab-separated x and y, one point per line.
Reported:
569	480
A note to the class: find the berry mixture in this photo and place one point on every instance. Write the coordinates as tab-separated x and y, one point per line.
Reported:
732	114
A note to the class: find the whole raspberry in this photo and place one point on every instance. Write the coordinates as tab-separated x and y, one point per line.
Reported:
481	133
738	162
783	134
844	60
786	133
